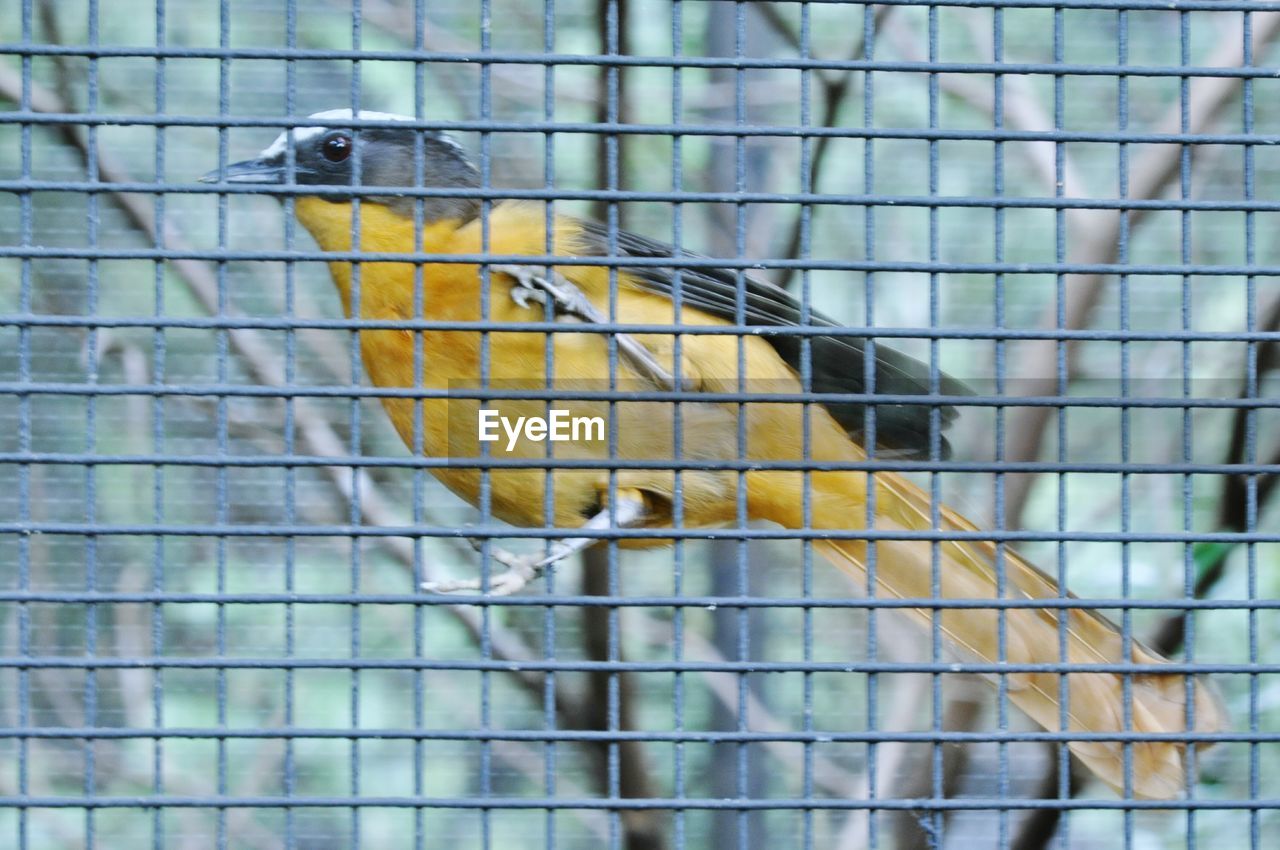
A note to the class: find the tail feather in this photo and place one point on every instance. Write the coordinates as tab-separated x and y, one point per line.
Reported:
1096	702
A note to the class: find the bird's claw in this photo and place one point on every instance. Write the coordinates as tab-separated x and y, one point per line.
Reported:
522	293
528	288
629	512
570	301
506	583
520	571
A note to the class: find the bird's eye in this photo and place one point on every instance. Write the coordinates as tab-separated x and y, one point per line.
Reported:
336	148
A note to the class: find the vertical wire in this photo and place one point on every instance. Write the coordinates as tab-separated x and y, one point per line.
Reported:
418	447
550	752
1002	646
613	694
1251	439
741	749
1122	256
486	482
1062	750
158	352
289	766
91	438
1060	370
355	419
222	342
806	421
677	504
938	817
869	383
24	436
1188	550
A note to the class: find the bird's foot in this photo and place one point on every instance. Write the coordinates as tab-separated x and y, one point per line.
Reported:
534	284
523	569
527	289
520	571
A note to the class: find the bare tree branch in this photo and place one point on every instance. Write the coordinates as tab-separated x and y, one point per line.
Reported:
1094	240
604	141
962	707
314	433
827	774
519	85
523	758
1094	233
834	88
642	827
898	642
1023	112
1039	826
1233	507
399	22
1095	236
1152	178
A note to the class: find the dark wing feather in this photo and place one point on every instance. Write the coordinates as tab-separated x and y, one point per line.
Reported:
836	362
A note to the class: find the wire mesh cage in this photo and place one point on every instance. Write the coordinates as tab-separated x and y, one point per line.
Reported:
214	540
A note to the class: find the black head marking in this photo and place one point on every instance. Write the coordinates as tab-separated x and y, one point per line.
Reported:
382	158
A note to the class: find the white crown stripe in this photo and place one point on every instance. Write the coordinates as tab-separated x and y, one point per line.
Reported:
302	134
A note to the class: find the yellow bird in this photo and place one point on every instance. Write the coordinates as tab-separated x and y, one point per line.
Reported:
380	162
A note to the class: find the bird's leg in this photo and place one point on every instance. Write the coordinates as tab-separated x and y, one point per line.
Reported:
532	284
628	512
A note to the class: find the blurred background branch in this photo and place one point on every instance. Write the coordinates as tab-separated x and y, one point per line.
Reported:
1094	239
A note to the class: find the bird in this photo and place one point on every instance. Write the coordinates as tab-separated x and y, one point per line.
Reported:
705	375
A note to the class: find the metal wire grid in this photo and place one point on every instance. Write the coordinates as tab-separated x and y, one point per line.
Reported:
490	808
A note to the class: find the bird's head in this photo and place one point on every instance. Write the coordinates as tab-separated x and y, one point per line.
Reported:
374	161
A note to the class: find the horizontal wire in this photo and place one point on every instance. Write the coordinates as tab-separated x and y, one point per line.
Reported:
993	202
349	391
605	60
512	532
611	736
555	665
221	801
285	323
33	252
61	597
285	461
917	134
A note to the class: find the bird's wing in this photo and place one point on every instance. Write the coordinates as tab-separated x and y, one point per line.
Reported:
837	363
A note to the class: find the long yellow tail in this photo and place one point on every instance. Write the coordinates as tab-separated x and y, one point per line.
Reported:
1095	700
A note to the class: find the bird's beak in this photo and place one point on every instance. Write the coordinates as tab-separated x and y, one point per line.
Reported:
259	171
